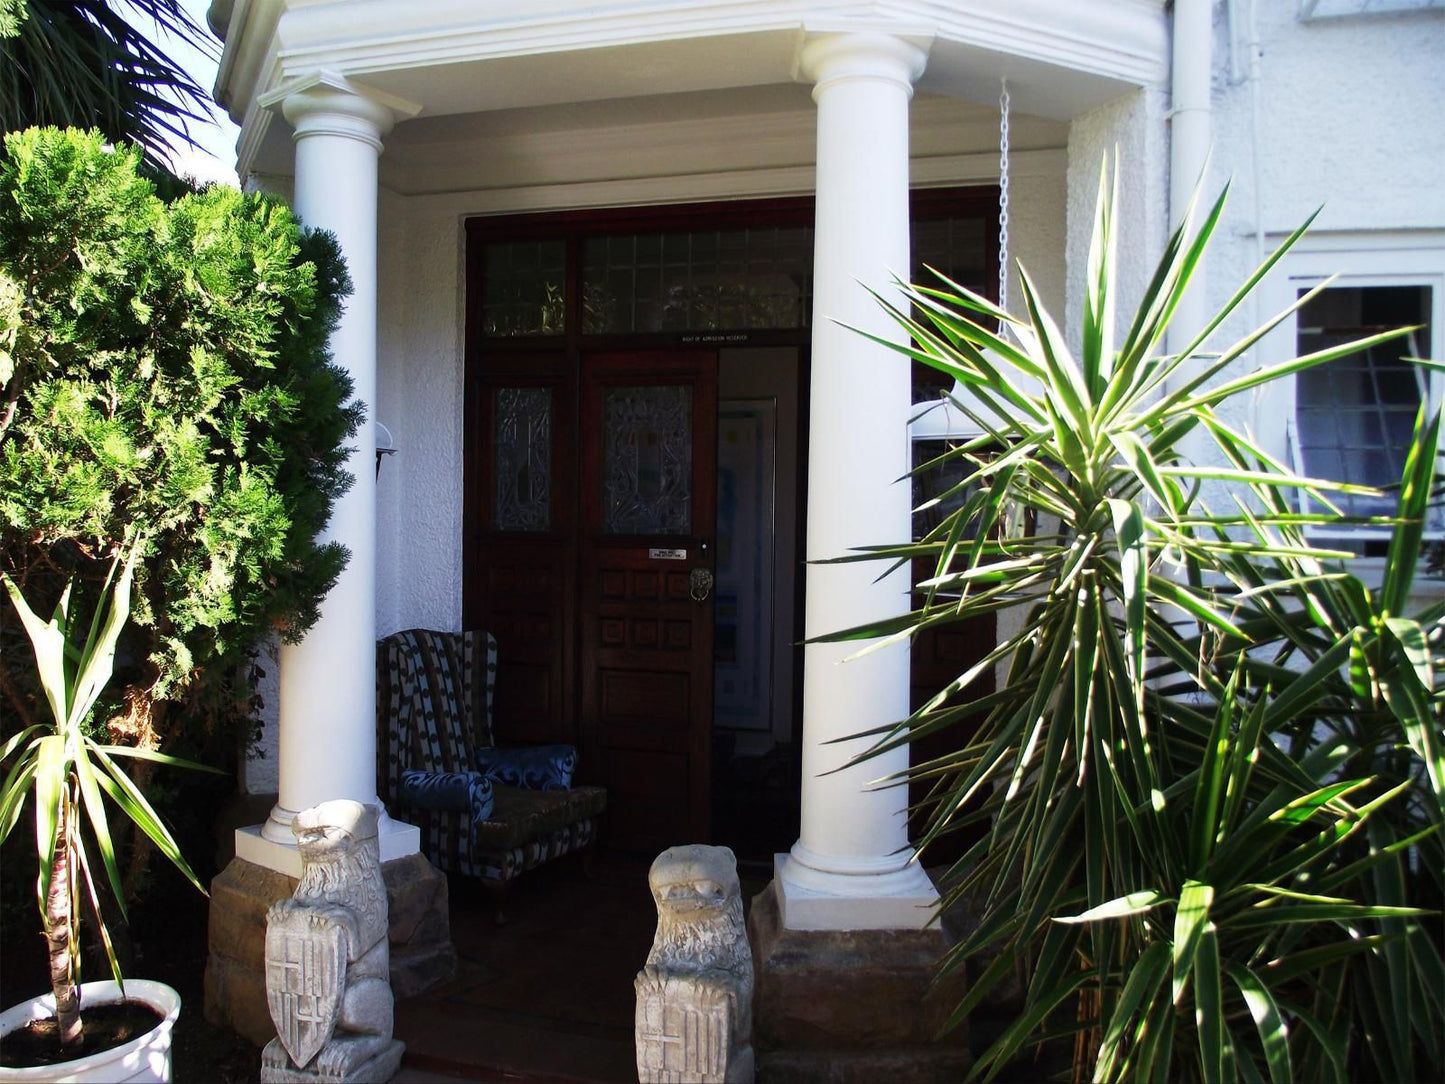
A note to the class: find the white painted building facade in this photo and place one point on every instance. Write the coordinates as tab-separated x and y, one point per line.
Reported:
394	124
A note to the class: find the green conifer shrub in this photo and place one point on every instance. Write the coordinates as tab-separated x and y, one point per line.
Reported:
165	366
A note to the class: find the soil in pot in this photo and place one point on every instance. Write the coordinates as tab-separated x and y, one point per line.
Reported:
106	1027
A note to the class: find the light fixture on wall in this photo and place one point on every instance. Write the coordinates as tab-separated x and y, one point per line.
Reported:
384	445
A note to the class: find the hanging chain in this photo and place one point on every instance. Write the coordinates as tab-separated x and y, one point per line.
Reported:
1003	104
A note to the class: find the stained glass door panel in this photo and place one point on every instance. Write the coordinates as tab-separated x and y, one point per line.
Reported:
647	459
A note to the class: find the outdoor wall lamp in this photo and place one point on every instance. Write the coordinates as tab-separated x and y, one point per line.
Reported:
384	445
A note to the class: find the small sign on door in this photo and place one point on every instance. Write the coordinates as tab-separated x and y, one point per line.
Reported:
667	555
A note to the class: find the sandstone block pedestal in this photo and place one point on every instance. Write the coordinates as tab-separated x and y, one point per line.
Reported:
853	1005
382	1067
422	954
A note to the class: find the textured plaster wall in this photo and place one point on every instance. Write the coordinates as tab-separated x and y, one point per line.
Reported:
419	497
1036	235
1349	119
419	490
1135	127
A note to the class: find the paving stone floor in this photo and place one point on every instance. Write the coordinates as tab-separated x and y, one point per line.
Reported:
548	996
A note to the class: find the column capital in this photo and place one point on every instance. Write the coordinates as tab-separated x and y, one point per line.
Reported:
325	103
837	56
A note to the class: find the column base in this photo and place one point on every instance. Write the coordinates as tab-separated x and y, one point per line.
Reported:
813	899
419	936
396	838
380	1066
847	1006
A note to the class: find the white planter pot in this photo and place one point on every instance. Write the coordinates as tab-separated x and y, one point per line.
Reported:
147	1058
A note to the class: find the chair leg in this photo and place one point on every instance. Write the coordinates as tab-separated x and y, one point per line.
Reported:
499	891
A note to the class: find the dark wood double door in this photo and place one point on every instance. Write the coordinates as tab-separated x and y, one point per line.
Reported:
593	494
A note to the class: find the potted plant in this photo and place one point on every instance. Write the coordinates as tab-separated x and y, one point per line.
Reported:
70	775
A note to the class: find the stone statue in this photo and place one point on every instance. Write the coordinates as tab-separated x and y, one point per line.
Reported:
694	1017
327	958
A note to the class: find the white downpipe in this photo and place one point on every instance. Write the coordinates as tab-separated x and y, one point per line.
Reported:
1189	139
1256	180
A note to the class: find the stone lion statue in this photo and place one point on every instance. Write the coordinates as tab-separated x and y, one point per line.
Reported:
694	997
327	959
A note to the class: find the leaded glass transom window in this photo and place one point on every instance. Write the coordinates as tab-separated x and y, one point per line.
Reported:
522	292
707	280
647	460
958	247
1354	415
741	279
524	459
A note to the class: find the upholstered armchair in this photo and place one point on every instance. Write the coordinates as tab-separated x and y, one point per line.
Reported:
483	812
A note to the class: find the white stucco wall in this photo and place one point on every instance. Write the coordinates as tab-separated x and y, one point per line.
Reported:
1349	117
1134	128
419	393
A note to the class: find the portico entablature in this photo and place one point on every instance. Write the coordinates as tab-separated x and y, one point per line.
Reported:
1062	57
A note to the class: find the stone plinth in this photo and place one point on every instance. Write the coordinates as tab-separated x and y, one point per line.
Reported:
852	1005
422	953
382	1067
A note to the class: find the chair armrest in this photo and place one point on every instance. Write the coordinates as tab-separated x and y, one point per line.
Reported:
531	767
461	792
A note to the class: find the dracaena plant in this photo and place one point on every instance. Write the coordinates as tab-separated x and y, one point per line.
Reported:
70	774
1182	892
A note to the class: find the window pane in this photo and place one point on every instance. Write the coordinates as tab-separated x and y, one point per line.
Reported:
647	460
708	280
1355	414
958	249
522	288
524	459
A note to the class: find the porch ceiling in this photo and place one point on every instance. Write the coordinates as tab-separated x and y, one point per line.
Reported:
1062	57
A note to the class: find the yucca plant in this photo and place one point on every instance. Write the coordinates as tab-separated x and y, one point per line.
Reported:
1143	822
70	775
1361	695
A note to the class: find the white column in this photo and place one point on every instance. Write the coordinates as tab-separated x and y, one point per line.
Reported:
850	868
328	681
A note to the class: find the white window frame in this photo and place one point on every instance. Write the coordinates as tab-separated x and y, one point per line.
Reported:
1403	258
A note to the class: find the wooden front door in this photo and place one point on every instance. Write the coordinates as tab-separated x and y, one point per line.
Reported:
645	569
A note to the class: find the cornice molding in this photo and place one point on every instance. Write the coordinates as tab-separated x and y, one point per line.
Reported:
1121	39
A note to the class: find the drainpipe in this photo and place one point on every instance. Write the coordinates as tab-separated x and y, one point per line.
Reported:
1189	138
1256	180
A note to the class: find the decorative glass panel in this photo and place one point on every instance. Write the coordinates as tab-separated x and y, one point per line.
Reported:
647	460
522	291
1355	413
524	459
728	280
958	248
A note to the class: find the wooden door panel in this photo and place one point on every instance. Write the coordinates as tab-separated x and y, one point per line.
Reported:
646	655
524	588
645	789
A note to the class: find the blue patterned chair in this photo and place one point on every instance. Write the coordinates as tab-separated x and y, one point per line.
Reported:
483	812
